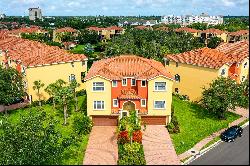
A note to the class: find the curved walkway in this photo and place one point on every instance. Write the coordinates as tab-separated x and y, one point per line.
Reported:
158	147
102	147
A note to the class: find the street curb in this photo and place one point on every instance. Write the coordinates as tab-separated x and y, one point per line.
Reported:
202	152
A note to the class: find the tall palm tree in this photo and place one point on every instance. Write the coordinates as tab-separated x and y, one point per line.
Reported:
37	86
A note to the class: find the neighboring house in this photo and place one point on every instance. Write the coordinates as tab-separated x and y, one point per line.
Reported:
118	85
35	13
142	27
162	28
58	33
27	30
194	32
69	45
37	61
195	69
212	32
107	33
238	36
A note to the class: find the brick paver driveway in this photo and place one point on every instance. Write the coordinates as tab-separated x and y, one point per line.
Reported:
158	147
102	147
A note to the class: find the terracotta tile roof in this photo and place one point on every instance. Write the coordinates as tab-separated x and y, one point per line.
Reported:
33	53
3	34
162	29
227	53
186	29
214	31
141	27
93	28
128	94
33	29
127	66
239	33
65	29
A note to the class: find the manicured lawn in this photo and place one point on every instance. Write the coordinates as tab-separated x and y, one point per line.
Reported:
74	154
195	124
78	49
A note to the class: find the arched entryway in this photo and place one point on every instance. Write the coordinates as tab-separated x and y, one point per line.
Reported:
129	106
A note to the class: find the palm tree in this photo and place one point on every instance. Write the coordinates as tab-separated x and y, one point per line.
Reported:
37	86
51	90
74	85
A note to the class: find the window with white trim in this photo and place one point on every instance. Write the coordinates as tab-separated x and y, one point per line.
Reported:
223	72
143	102
124	82
98	105
114	83
98	86
177	78
72	77
133	82
159	104
143	83
115	103
245	65
160	86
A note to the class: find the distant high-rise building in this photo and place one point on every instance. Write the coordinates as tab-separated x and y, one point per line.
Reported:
35	13
189	19
2	15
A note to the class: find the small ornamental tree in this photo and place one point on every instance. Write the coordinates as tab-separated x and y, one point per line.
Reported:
34	140
51	90
73	86
11	85
223	94
213	42
37	86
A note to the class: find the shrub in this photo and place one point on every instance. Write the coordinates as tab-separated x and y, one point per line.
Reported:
123	137
123	122
82	124
81	93
137	136
131	154
173	126
49	101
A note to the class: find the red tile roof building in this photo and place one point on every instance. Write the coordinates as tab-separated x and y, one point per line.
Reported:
186	29
65	29
127	66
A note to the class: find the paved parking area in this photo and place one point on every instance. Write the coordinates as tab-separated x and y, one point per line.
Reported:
158	147
102	147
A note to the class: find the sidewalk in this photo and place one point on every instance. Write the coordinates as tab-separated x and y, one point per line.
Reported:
240	111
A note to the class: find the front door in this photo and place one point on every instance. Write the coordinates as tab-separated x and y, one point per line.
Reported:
129	106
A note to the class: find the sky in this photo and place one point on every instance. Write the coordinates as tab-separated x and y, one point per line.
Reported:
126	7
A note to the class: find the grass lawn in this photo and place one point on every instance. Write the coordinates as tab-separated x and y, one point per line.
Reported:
74	154
195	124
78	49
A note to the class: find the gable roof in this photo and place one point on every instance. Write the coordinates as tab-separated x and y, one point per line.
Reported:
127	66
239	33
33	29
186	29
65	29
214	31
226	53
33	53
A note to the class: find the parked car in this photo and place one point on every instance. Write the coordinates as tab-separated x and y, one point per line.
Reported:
231	133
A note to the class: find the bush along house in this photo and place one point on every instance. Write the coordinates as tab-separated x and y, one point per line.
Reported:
115	86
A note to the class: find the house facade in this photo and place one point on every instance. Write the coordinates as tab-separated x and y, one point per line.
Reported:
194	32
238	36
118	85
37	61
58	33
212	32
195	69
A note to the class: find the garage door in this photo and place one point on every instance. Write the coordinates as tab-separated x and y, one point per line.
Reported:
105	120
154	120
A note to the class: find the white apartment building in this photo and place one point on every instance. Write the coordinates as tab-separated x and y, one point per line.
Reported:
189	19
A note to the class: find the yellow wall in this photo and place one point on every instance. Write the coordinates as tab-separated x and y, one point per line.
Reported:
49	74
156	95
244	71
192	79
103	96
226	67
223	36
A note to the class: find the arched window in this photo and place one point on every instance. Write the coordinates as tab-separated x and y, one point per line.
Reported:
177	77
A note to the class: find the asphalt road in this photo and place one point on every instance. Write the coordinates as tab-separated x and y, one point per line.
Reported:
232	153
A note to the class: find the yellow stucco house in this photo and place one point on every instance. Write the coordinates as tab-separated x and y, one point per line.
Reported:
194	32
58	33
115	86
212	32
238	36
37	61
195	69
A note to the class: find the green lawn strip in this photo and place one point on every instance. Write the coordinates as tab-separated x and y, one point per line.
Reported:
195	124
243	122
79	49
74	154
211	142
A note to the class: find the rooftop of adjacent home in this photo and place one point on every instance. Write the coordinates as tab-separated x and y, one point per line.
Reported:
214	31
127	66
186	29
65	29
239	33
93	28
32	29
226	53
33	53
